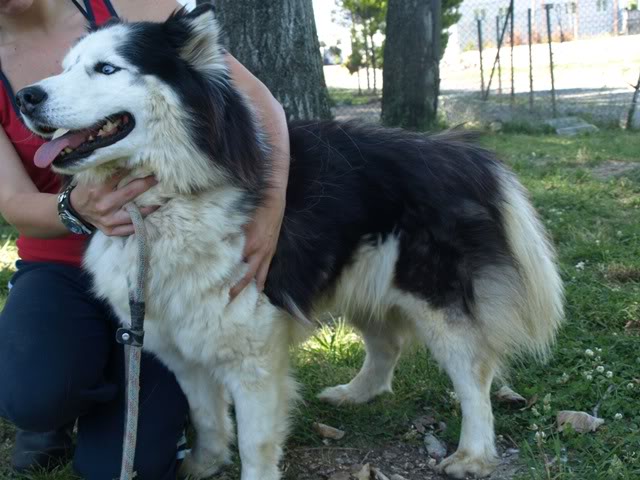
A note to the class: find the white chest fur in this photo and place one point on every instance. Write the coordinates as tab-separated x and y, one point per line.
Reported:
194	250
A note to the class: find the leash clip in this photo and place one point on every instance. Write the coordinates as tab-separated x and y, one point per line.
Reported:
127	336
134	335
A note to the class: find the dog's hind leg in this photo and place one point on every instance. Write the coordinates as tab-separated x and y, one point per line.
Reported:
383	342
458	344
209	413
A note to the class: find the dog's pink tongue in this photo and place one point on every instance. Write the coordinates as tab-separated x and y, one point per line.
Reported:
48	152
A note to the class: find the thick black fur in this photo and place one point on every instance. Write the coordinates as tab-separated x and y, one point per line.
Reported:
348	184
351	184
216	110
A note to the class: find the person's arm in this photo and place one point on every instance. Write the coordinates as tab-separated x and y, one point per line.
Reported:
263	231
31	212
35	214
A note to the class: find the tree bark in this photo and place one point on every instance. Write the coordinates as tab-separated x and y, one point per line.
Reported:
411	73
277	42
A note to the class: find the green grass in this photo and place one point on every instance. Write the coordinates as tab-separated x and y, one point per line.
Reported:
7	257
346	96
594	223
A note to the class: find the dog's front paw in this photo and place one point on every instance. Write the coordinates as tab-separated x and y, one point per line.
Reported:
196	466
462	464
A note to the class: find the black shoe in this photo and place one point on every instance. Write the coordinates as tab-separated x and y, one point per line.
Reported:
36	450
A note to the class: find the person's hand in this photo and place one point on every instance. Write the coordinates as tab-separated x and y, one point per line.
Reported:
101	205
261	240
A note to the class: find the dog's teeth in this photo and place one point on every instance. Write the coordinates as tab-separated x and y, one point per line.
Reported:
59	132
91	138
109	126
116	123
68	150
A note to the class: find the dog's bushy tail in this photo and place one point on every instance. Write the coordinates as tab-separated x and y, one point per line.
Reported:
540	304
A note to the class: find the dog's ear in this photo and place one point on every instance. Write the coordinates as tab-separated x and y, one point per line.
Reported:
199	45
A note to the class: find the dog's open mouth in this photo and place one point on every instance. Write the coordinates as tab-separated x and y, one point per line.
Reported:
68	146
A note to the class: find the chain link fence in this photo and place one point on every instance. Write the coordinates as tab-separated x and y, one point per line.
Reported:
527	62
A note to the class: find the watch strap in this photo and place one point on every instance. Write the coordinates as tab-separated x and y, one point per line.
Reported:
68	215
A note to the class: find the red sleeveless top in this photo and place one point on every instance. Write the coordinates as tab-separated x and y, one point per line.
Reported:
70	248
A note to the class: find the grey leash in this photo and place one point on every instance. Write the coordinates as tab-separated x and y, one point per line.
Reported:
133	338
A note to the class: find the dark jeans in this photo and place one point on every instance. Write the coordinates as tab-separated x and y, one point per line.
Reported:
59	361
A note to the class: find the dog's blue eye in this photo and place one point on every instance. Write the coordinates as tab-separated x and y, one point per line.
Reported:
105	68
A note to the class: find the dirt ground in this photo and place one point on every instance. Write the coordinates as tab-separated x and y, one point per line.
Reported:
399	459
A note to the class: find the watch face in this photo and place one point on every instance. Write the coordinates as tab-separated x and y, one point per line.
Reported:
71	223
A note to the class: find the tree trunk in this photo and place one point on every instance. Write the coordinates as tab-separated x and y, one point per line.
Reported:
374	64
411	75
366	58
277	42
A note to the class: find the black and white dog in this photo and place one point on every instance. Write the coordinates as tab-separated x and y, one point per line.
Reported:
411	236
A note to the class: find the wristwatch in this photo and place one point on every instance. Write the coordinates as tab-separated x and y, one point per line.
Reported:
69	217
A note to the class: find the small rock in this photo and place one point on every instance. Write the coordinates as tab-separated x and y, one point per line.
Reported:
397	477
435	448
570	126
389	455
326	431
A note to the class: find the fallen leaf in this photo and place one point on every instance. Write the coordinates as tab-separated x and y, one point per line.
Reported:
424	421
581	422
378	475
507	395
410	435
326	431
632	327
364	473
435	448
530	403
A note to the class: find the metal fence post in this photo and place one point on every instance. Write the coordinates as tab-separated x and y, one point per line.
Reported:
632	108
513	89
480	50
530	60
495	62
498	55
548	8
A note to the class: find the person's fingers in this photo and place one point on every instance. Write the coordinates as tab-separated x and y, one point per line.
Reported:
120	197
250	275
121	231
261	275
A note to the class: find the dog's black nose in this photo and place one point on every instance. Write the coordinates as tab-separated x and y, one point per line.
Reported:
29	98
